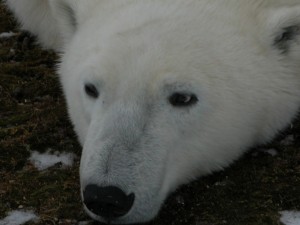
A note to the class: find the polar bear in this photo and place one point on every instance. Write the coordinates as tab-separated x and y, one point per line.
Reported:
161	92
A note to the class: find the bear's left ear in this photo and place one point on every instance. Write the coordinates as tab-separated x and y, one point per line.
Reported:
283	25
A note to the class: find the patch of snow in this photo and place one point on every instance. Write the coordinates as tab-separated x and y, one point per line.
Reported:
45	160
5	35
290	217
18	217
221	183
272	152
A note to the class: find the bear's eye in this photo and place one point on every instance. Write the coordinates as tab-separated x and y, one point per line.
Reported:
183	99
91	90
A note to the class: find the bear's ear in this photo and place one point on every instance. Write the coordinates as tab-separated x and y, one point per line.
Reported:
65	13
284	26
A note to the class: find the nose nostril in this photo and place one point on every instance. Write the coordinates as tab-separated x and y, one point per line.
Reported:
108	202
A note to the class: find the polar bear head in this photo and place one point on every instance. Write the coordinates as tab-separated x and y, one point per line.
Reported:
162	92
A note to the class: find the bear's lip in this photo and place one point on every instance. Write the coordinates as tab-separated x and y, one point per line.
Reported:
120	220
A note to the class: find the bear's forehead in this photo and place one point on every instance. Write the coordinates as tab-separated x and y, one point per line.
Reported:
132	34
155	47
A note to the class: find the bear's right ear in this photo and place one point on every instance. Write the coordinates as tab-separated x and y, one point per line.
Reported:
283	27
65	12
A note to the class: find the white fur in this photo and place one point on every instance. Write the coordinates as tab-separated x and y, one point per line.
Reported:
137	53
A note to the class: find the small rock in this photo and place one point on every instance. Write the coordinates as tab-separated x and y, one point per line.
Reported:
84	222
12	52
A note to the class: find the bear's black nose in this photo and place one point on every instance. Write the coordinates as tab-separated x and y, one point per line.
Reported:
108	202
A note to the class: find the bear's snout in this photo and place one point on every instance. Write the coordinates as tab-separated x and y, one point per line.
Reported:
107	202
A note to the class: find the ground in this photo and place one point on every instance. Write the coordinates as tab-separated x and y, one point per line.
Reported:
33	117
